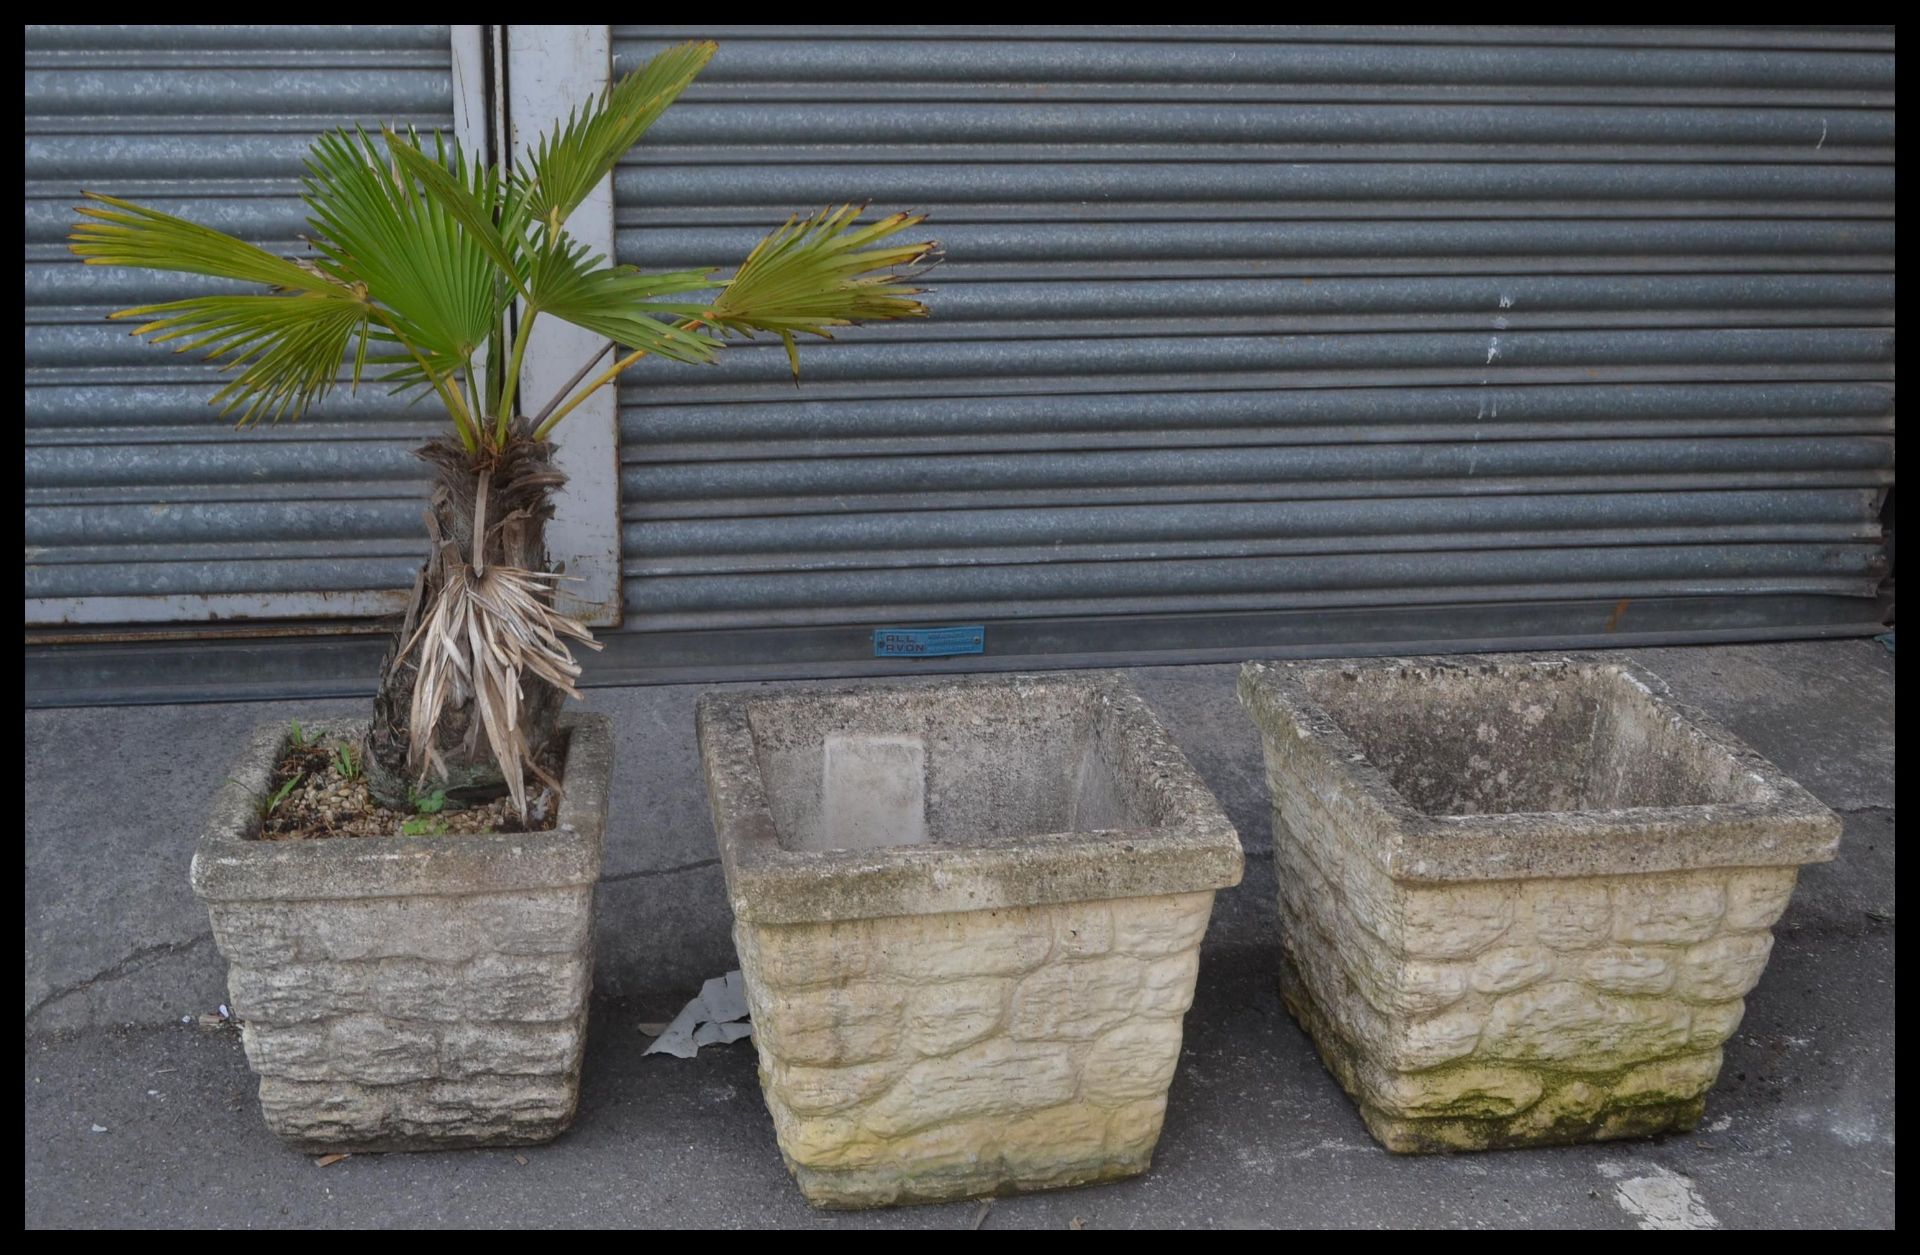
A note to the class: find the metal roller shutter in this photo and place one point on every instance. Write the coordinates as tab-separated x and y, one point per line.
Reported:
1281	320
143	504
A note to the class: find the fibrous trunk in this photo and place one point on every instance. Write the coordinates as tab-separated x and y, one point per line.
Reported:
508	492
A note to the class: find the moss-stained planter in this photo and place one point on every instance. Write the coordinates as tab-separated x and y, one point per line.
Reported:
410	993
1521	902
969	917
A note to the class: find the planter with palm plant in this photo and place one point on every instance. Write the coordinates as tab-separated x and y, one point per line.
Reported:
418	990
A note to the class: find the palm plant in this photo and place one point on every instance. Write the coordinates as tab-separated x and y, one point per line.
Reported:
434	268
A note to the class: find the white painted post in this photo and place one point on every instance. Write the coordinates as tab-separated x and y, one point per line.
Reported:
479	121
479	110
549	70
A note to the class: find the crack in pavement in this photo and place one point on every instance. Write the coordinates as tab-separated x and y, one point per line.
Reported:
143	957
646	872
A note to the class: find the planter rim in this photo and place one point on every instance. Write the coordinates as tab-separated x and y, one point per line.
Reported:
770	884
1786	826
231	865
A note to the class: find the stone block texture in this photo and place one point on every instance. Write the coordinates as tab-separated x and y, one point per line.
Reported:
925	1057
1521	903
410	993
998	1006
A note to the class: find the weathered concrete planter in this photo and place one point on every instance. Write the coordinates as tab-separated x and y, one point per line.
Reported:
969	916
1521	903
410	993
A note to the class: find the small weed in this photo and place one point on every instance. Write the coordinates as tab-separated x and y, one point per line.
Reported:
424	826
273	803
430	803
345	762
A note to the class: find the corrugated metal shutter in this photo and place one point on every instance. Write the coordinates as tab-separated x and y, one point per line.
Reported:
142	503
1241	319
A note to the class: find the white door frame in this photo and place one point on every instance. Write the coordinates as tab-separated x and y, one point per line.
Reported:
548	70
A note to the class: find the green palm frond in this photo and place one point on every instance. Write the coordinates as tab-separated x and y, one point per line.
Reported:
132	235
619	302
569	162
420	254
406	369
288	349
488	208
379	227
821	272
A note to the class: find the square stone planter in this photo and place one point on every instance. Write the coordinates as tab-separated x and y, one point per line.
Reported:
969	917
410	993
1520	902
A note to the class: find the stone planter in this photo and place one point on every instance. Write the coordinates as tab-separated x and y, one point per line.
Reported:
410	993
969	916
1521	902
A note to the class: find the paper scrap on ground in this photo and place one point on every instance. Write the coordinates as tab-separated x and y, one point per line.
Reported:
717	1015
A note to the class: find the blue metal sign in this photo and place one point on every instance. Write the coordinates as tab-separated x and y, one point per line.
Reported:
928	642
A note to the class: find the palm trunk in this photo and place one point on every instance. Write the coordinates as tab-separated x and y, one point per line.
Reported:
521	480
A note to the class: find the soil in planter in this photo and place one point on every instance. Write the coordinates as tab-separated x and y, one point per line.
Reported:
318	791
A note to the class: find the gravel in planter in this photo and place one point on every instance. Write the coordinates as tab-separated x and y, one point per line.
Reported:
319	791
969	917
1521	902
409	993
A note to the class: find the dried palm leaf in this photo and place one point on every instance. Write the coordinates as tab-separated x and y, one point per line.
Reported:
486	632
